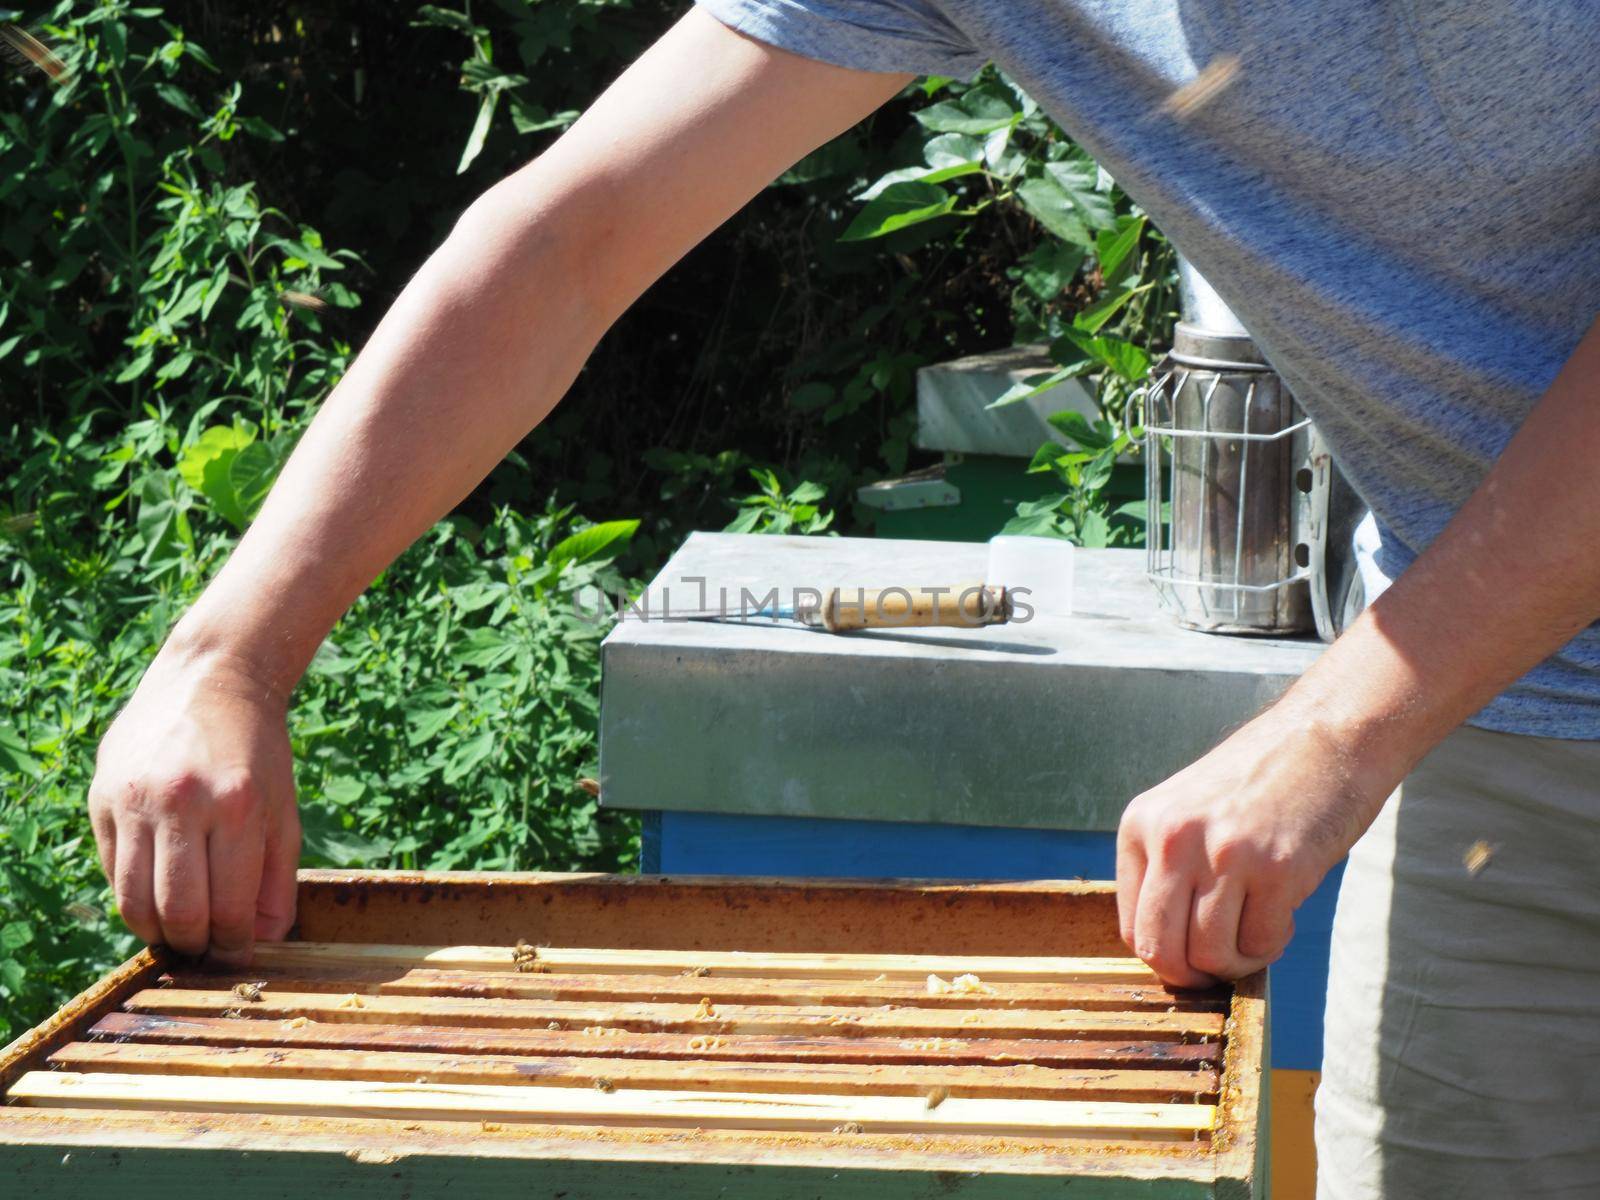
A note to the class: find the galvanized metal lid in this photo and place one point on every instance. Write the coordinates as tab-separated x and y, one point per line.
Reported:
1043	723
1196	346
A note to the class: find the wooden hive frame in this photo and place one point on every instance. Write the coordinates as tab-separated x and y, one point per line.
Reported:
717	1037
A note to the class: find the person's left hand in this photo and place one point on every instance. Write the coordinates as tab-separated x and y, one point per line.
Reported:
1212	863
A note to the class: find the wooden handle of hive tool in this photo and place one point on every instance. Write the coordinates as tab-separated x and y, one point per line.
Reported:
961	606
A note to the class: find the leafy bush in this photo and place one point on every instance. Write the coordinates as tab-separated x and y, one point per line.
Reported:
448	721
444	724
773	509
1092	289
183	333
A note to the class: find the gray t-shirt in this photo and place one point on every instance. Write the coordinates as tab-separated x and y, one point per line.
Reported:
1400	199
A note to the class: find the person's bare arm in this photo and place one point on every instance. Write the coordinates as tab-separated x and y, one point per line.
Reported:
193	798
1212	863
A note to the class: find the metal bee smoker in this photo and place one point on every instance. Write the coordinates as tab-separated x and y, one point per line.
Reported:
1248	522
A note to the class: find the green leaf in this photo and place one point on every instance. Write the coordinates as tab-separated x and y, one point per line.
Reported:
14	756
1045	504
1034	385
1139	510
179	99
160	521
1079	177
479	594
429	723
1115	249
484	648
15	935
1050	268
978	112
328	661
207	467
1045	458
591	542
1115	354
193	51
1094	530
176	366
1106	306
882	184
808	493
531	118
139	365
256	127
251	475
1001	155
432	14
468	755
953	171
481	75
306	252
1066	200
343	790
336	294
1039	525
214	290
925	174
1054	209
1076	427
952	149
480	131
326	841
898	207
114	35
1098	472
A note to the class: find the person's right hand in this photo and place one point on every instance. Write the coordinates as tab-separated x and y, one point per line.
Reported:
193	807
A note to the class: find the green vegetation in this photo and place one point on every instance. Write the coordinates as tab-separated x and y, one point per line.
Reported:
204	221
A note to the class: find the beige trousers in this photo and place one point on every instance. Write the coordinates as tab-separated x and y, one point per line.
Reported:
1462	1052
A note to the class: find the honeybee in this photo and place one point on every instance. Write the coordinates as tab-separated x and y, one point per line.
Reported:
937	1096
603	1084
1477	857
848	1127
526	958
249	991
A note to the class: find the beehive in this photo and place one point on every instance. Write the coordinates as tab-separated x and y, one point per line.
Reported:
600	1036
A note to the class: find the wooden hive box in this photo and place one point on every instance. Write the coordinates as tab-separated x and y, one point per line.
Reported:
694	1037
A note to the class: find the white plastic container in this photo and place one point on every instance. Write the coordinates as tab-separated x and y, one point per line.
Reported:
1038	571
